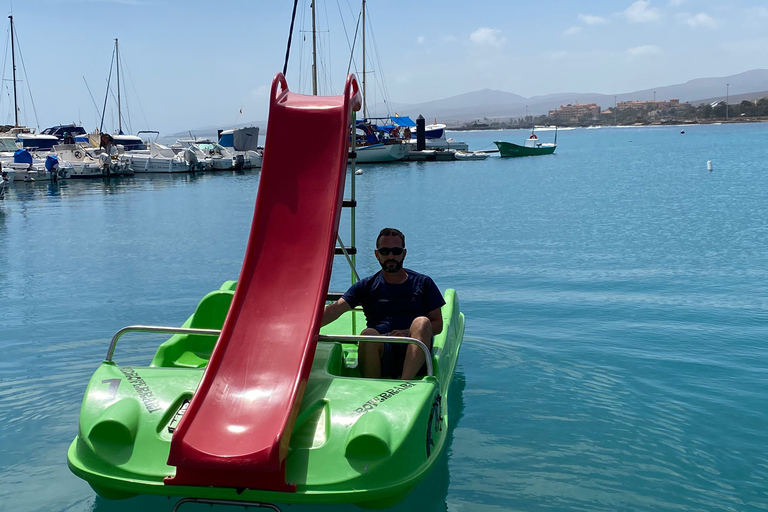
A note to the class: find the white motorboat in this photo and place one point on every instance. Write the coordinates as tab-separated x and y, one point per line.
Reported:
243	144
93	164
162	159
216	156
435	138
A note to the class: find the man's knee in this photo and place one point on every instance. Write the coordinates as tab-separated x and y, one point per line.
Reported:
422	324
370	347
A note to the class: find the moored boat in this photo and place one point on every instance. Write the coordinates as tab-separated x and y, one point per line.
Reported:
531	147
470	155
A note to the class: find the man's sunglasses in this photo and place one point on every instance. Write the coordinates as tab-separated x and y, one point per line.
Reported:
396	251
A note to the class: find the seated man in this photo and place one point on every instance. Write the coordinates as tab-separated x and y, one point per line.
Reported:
396	302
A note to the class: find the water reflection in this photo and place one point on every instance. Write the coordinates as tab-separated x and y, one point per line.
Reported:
20	191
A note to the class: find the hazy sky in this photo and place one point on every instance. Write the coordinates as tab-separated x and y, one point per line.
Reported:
192	64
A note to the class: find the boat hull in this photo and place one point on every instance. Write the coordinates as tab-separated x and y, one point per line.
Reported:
382	153
510	149
355	440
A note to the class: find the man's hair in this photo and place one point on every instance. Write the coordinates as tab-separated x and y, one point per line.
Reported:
390	232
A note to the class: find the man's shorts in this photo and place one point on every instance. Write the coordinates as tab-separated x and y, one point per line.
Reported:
394	357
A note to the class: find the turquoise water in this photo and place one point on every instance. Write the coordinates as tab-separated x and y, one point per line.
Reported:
616	296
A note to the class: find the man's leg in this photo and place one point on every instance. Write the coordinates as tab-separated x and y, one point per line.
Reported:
369	355
421	329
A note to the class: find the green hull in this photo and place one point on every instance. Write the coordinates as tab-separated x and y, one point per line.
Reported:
355	440
510	149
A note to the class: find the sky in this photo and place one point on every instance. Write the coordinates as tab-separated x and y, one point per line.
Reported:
197	64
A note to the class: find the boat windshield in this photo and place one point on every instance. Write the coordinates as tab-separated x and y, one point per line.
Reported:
8	144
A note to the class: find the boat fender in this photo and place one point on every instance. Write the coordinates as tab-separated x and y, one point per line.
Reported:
104	160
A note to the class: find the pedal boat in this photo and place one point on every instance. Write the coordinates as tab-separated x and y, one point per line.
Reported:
355	440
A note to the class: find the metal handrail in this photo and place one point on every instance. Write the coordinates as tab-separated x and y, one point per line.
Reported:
233	503
322	338
382	339
158	329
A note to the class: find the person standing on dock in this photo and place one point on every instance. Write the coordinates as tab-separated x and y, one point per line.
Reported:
396	302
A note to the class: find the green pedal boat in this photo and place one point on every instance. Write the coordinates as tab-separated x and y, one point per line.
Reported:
250	401
355	440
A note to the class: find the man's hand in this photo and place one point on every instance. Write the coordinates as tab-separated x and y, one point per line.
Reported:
400	333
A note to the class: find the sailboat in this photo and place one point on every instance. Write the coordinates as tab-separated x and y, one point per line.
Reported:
26	166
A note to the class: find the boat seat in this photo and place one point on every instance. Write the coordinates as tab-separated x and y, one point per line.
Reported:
192	350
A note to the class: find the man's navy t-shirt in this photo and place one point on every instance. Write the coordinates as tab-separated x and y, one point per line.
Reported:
394	306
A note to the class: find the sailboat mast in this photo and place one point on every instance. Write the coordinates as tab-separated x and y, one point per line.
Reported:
314	51
119	111
13	60
365	96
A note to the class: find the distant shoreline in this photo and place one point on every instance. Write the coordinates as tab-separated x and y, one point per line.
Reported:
671	122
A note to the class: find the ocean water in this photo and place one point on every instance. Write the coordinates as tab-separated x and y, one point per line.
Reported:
615	293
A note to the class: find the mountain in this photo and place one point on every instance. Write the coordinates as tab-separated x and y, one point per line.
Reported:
489	103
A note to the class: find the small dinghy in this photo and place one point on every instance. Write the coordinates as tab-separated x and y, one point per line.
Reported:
470	155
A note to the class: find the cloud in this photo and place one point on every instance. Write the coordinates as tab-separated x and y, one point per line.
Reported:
488	37
758	12
420	40
261	92
644	51
591	19
677	3
572	31
699	20
640	12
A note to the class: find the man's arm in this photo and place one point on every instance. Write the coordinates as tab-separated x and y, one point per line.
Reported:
436	319
335	310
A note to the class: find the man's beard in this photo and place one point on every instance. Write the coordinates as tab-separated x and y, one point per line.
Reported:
391	266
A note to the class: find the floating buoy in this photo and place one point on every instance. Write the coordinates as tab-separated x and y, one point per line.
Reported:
359	172
682	131
709	165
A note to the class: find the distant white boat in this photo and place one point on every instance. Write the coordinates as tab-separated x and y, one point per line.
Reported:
243	144
215	156
464	155
435	138
162	159
92	165
382	153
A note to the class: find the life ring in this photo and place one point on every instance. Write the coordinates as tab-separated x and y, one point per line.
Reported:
533	136
77	154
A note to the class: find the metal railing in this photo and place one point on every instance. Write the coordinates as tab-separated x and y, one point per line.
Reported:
156	329
321	338
382	339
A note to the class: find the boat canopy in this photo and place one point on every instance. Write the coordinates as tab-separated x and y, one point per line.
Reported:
403	121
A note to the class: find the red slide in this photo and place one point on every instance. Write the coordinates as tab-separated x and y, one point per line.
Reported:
238	426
